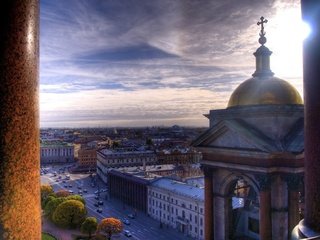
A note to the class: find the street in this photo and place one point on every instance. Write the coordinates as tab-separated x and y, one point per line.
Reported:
141	227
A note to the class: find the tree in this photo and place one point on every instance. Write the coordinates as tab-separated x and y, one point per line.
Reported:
52	205
110	226
89	226
45	190
76	197
69	214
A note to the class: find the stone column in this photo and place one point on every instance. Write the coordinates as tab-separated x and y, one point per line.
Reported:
208	205
311	76
20	215
293	182
265	226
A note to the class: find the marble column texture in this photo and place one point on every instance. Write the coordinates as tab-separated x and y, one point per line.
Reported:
311	84
20	213
208	205
265	226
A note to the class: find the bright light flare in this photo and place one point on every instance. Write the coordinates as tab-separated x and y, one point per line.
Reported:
285	35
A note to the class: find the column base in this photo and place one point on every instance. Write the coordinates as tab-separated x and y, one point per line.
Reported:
303	232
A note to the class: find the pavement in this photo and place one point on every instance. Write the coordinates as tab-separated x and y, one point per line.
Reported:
59	233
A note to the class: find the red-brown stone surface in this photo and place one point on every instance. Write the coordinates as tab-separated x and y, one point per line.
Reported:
20	216
311	76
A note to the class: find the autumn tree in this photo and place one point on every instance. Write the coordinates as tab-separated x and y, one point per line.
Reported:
62	193
52	205
110	226
69	214
45	190
89	226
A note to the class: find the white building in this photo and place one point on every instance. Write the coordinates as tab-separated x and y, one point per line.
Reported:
56	152
109	158
178	205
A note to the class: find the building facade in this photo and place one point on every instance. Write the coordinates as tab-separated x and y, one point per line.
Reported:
56	152
108	159
87	158
178	156
129	188
178	205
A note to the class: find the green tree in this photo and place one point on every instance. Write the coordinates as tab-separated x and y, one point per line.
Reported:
69	214
76	197
89	226
109	226
52	205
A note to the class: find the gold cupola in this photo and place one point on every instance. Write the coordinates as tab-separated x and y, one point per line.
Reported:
263	88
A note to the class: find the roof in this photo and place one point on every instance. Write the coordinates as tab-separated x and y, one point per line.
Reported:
181	188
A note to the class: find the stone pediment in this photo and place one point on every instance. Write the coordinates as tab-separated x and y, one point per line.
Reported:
236	134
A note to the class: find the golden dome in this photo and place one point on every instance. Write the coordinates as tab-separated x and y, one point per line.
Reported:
260	91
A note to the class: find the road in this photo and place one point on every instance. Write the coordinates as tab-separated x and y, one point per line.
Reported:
142	227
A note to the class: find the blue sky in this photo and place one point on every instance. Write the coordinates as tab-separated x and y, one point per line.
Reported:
155	62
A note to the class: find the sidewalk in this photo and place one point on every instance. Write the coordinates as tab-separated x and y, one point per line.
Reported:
59	233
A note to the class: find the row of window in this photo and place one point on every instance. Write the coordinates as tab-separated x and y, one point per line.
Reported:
165	207
47	152
167	217
128	160
162	196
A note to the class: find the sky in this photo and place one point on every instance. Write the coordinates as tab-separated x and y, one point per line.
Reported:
134	63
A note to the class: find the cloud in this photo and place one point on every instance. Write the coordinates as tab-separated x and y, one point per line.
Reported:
93	48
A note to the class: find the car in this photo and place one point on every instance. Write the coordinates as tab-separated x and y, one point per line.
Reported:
96	197
85	190
126	221
70	186
127	233
96	204
79	187
99	210
64	181
130	215
100	202
70	191
80	191
66	186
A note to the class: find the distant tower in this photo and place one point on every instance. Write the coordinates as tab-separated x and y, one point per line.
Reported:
253	158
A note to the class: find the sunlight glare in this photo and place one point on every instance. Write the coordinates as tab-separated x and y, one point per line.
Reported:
285	38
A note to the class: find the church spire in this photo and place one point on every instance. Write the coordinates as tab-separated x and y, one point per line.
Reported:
262	54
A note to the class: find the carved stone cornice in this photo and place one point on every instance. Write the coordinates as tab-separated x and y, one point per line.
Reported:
264	181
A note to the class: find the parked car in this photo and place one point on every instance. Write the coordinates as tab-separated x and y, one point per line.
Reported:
127	233
99	210
130	215
70	191
126	221
96	197
100	202
85	190
96	204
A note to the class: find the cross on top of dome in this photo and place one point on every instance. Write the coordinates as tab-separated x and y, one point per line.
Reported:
262	39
